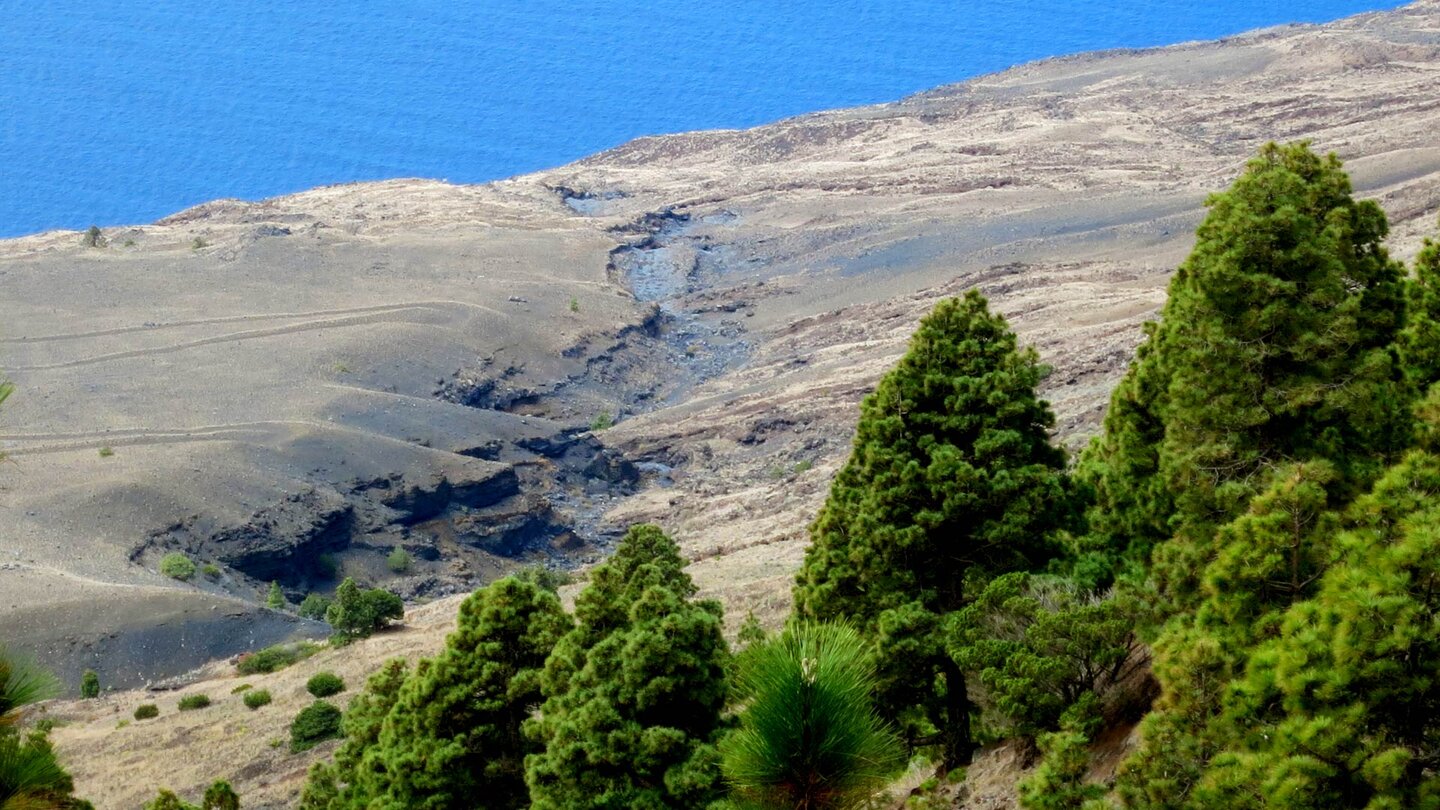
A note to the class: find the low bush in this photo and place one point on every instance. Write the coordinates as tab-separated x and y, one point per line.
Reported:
90	685
211	570
177	566
241	688
314	607
220	796
256	698
545	578
398	561
272	659
169	800
192	702
316	723
325	684
146	711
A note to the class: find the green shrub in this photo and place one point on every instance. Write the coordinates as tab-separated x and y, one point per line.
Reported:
544	578
325	684
192	702
574	304
244	687
276	658
93	237
107	451
211	570
1059	783
316	723
167	800
177	566
220	796
602	421
146	711
314	607
751	632
327	565
90	685
810	735
399	560
356	613
275	600
198	243
256	698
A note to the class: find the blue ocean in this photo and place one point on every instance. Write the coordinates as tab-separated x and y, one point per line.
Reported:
121	111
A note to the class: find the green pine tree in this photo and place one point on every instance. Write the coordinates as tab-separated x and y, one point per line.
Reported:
1266	560
1275	346
1342	708
1132	506
314	607
1272	381
751	632
952	480
276	598
454	732
1059	783
355	613
1040	646
1419	341
633	693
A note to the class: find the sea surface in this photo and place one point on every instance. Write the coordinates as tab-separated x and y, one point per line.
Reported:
122	111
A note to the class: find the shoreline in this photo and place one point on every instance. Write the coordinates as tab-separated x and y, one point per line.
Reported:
946	88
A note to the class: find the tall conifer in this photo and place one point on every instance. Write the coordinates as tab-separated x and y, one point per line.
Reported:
1420	340
1273	383
633	693
454	732
1275	346
952	479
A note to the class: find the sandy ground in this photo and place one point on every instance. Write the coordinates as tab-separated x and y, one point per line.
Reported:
1067	190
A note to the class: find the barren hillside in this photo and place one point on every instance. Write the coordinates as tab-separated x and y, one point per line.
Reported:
289	389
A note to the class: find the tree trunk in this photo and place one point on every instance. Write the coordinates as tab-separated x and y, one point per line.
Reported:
958	746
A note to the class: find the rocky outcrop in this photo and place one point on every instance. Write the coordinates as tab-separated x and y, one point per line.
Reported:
471	487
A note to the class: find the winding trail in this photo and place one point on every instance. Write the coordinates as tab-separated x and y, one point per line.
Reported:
277	316
370	316
67	442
